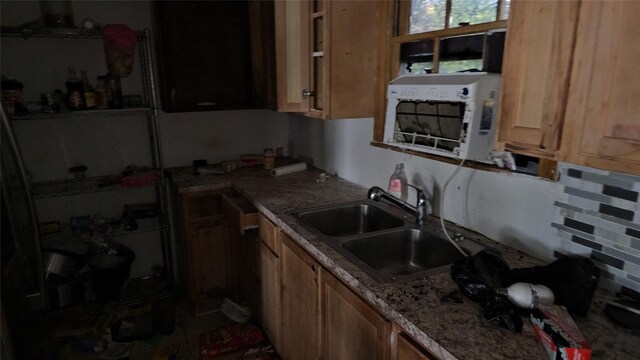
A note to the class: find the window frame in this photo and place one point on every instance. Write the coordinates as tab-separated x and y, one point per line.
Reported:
390	41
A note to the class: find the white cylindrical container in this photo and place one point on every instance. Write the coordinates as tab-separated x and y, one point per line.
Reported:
289	169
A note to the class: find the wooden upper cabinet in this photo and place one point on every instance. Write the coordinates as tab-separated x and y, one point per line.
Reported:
215	55
326	57
535	75
603	113
292	55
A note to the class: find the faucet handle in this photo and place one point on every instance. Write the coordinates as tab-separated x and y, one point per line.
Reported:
420	194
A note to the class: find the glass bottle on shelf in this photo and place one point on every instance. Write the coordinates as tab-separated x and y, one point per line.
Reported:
114	91
75	99
88	93
102	101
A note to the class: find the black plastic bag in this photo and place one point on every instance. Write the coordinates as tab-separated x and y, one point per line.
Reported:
500	311
478	277
573	281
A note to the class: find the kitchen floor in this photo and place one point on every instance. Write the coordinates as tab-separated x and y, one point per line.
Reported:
182	344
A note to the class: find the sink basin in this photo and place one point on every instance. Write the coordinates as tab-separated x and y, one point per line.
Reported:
403	253
382	240
348	220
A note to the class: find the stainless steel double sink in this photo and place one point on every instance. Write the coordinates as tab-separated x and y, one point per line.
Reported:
383	240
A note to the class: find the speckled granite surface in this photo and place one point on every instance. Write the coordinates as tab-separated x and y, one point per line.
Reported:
449	330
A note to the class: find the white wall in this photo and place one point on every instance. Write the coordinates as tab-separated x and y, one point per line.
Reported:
513	209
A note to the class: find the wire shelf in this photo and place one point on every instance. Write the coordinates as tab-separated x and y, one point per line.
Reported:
53	33
83	114
70	187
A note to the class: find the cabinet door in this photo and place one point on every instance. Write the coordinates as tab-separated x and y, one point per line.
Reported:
407	350
603	113
299	303
204	55
270	294
535	75
351	61
292	54
351	329
240	215
207	248
209	261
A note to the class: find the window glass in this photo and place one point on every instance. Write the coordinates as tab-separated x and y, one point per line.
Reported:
427	15
472	12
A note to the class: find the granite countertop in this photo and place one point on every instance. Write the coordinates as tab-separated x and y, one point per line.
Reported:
448	330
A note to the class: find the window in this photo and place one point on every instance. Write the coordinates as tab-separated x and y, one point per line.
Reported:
439	36
447	40
432	15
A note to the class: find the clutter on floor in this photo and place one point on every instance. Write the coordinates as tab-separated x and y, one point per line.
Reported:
144	332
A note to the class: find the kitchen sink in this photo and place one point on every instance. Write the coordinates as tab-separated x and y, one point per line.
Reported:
383	240
403	252
349	219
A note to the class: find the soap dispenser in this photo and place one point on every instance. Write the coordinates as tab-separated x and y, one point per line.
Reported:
398	183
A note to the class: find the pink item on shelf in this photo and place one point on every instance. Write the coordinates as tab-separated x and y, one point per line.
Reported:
138	179
119	47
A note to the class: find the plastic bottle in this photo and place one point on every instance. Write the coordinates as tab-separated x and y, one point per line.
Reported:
75	100
87	91
398	183
269	161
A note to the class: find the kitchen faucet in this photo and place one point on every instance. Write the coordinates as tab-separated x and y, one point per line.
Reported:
419	211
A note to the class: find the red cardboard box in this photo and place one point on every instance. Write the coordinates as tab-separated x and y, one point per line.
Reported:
558	333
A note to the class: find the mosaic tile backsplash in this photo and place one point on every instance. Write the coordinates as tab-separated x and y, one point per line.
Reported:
598	216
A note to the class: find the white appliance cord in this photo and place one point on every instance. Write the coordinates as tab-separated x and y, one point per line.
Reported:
444	188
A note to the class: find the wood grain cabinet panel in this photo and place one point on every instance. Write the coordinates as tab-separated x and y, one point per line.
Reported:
603	113
351	329
535	76
407	349
326	57
207	257
270	284
300	303
215	55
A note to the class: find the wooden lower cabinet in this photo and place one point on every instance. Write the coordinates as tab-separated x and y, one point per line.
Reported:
351	328
207	250
299	303
270	295
308	313
406	349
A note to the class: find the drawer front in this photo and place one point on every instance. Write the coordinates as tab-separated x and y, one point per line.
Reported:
240	213
269	234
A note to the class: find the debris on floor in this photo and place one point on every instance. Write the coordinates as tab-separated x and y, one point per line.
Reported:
229	338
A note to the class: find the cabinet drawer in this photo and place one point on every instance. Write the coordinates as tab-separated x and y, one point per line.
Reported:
269	234
243	210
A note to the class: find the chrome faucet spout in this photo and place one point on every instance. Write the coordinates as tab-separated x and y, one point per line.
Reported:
419	211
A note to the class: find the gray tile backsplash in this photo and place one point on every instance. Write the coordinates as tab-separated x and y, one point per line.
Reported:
598	215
